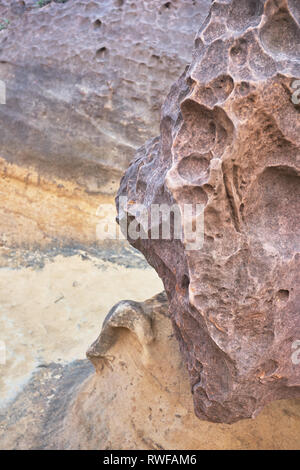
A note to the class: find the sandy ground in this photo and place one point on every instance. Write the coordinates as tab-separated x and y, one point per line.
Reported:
54	313
51	310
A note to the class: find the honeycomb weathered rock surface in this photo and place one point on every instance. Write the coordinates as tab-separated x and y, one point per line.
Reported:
85	81
230	141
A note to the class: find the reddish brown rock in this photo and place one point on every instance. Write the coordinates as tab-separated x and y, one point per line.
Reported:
230	141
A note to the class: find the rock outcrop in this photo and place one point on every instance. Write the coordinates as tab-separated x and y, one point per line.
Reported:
139	398
230	142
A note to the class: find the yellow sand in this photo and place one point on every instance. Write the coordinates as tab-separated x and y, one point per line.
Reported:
54	314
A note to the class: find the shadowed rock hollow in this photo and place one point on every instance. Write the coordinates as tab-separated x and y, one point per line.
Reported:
230	141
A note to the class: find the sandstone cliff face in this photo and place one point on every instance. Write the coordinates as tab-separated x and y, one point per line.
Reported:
85	82
230	141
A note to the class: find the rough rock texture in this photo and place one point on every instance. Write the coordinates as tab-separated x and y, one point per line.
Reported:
36	211
138	399
230	141
36	417
85	81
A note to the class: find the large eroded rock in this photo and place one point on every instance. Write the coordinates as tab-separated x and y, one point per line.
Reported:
230	141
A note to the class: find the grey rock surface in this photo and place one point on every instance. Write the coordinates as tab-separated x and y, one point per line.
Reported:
36	416
85	81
